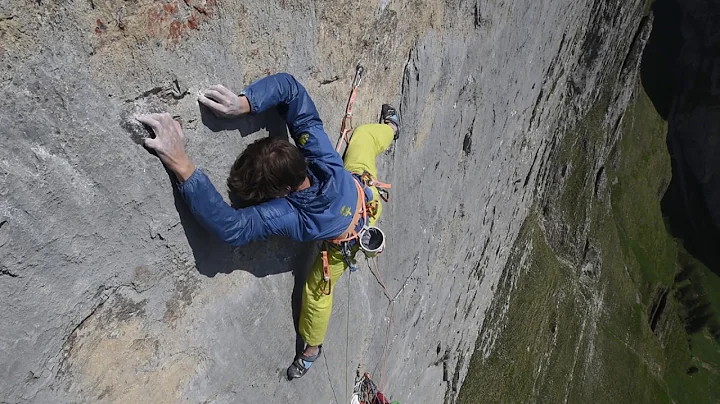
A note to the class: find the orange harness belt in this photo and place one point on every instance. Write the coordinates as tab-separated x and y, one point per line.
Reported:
361	212
349	234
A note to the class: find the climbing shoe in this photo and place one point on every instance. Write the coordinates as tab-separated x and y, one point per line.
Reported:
389	114
301	365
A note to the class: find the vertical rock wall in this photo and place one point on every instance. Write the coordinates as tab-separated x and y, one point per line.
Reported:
112	292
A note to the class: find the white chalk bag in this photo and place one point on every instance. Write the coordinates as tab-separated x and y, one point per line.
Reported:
372	241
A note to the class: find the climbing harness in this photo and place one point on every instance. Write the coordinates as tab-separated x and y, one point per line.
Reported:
347	126
370	239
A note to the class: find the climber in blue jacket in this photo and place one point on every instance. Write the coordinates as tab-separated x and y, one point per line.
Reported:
304	192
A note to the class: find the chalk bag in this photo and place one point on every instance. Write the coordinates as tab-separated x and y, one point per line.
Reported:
372	241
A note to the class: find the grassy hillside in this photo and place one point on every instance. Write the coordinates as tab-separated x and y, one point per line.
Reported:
604	305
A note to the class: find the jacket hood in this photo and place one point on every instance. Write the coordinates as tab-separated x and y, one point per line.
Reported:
323	189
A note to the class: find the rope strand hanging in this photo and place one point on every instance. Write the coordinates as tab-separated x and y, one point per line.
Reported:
347	126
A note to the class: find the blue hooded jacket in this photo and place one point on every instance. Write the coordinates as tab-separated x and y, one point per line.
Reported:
321	212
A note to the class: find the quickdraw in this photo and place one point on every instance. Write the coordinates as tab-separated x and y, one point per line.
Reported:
326	273
382	187
346	129
347	126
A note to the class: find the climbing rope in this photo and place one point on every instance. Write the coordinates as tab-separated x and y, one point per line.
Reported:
347	126
327	367
346	129
391	308
347	335
376	273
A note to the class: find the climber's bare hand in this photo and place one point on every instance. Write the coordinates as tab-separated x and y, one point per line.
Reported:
169	143
223	102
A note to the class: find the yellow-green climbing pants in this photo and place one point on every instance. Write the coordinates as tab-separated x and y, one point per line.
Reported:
367	142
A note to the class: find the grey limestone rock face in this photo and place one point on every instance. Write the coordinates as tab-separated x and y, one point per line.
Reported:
112	292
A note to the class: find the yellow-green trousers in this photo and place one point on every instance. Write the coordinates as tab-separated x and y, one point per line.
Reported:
367	142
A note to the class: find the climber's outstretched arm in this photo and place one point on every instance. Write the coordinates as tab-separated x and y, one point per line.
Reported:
293	102
233	226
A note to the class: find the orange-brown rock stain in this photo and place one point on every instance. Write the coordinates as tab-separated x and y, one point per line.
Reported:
168	21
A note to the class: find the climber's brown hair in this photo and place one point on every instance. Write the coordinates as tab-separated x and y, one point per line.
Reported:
268	168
